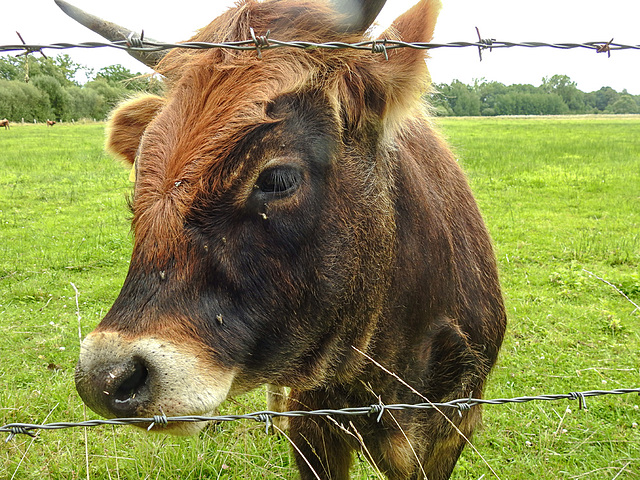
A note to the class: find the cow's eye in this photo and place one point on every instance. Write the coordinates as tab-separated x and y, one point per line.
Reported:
281	180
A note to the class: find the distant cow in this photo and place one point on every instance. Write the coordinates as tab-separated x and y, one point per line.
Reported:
295	217
5	123
50	123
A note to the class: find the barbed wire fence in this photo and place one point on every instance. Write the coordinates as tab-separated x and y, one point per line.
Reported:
135	43
266	416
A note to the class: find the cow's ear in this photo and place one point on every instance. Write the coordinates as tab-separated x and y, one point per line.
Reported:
390	88
127	124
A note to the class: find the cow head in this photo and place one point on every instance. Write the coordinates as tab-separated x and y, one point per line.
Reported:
263	212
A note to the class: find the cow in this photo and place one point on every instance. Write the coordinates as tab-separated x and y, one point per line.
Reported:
50	123
5	123
299	221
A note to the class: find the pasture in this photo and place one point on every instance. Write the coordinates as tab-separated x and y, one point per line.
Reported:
561	197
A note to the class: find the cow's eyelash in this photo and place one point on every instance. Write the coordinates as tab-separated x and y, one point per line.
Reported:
279	180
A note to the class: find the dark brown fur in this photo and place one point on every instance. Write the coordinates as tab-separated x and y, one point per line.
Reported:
379	253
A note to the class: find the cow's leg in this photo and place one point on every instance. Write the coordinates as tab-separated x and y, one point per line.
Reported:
277	402
321	451
443	458
415	452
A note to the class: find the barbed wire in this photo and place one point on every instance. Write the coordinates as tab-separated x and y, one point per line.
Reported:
266	416
262	43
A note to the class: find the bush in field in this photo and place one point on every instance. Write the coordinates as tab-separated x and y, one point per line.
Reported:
23	101
58	96
530	104
557	95
47	88
84	103
109	94
625	104
567	90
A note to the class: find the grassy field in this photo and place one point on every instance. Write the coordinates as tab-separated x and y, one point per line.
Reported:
561	197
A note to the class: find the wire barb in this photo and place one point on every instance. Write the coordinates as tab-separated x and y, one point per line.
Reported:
380	47
379	409
158	420
582	402
484	43
260	41
135	41
605	48
464	406
265	418
18	430
28	49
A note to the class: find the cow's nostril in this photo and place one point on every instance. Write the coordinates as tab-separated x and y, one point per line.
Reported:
132	385
119	389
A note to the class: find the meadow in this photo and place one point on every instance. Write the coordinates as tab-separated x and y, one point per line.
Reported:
561	197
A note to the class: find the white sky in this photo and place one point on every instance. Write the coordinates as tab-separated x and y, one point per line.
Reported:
40	21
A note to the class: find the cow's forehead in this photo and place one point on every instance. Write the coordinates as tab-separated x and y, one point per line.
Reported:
215	127
211	110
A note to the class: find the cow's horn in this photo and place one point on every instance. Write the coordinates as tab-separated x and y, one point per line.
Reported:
360	14
110	31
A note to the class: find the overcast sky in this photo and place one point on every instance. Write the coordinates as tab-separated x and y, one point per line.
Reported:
40	21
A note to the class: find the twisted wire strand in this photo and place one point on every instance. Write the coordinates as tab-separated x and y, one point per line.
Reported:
266	416
264	43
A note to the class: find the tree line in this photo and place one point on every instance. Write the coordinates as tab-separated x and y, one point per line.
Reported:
42	88
557	95
45	88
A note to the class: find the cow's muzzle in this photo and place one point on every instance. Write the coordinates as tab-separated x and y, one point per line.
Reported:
119	389
122	377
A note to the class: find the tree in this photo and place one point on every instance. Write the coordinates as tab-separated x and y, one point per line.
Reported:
27	67
111	95
563	86
604	97
119	76
625	104
58	97
54	92
524	103
489	92
115	74
84	103
20	100
10	69
462	100
438	100
62	68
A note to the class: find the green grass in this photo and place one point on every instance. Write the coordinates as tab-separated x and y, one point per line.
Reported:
560	196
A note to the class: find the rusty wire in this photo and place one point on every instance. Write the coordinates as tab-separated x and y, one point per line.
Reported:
266	416
262	43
